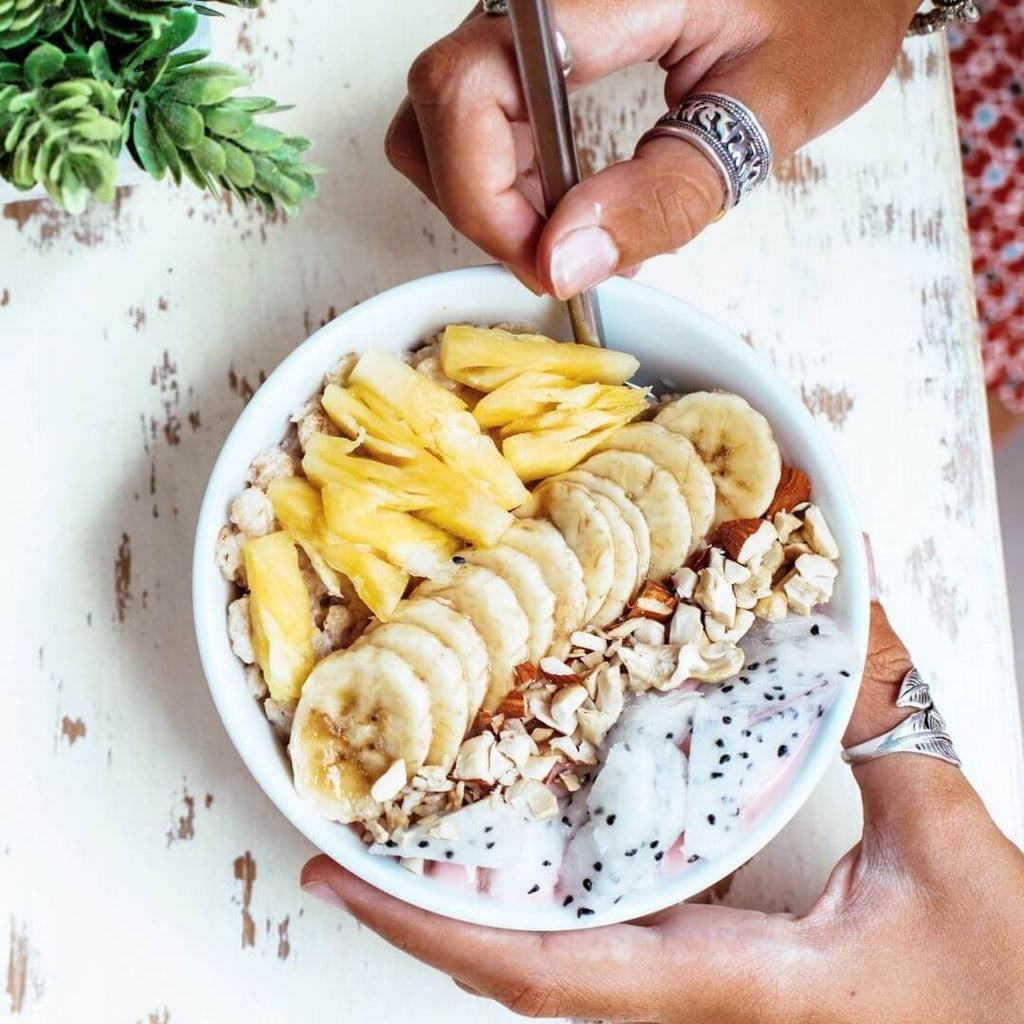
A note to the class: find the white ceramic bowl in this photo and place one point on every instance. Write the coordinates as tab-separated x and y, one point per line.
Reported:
672	342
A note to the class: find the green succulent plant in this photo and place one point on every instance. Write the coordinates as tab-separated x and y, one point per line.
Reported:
82	79
59	129
24	20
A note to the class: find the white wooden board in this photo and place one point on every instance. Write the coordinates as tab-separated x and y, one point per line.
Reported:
143	875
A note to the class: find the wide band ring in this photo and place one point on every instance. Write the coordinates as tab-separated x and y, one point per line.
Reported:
728	134
498	8
924	732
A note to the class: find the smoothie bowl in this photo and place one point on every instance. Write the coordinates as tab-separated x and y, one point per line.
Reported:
524	633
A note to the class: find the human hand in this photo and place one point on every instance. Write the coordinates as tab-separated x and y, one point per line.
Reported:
922	921
461	135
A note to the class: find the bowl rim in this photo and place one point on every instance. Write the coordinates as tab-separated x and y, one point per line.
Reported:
422	892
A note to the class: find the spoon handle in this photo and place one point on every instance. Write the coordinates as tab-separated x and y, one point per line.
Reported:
542	76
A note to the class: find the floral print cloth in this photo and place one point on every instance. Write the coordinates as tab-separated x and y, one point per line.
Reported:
988	75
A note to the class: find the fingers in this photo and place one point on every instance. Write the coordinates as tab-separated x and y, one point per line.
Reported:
403	146
455	136
534	974
465	95
701	963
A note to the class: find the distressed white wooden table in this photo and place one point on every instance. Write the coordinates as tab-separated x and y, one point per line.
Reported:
143	875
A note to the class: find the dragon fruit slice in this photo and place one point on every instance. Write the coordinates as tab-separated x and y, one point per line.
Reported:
532	875
789	662
649	716
637	808
733	758
486	834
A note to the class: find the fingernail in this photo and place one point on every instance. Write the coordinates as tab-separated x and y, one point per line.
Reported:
583	258
872	571
322	891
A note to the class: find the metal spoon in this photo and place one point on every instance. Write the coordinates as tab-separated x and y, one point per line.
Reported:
542	74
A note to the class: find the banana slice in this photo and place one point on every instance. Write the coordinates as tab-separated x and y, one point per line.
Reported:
664	509
737	445
523	575
627	562
586	530
598	483
674	453
360	711
456	632
490	604
438	667
542	542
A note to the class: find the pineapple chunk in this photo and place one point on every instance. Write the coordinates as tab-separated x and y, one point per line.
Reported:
397	383
528	394
563	424
556	440
487	358
538	455
449	499
379	584
282	623
361	515
440	420
299	509
324	463
382	436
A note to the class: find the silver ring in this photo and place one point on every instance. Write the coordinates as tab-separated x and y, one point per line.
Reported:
500	7
942	13
924	732
728	134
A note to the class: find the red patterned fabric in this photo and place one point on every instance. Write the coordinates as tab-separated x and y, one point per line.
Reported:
988	73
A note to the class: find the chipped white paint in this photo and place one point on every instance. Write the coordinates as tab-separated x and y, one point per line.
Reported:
143	876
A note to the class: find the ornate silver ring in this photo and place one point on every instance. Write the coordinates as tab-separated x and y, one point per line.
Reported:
924	732
500	7
941	14
727	133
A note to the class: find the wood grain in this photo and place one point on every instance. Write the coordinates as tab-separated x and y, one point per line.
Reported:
144	875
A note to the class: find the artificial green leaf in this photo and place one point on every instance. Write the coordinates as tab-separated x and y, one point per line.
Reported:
239	167
147	152
168	150
210	157
180	60
184	124
68	104
151	73
195	173
14	132
253	104
297	143
229	123
99	129
261	139
43	63
175	33
204	90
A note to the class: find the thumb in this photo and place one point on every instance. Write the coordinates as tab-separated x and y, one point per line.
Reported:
652	204
913	804
660	199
